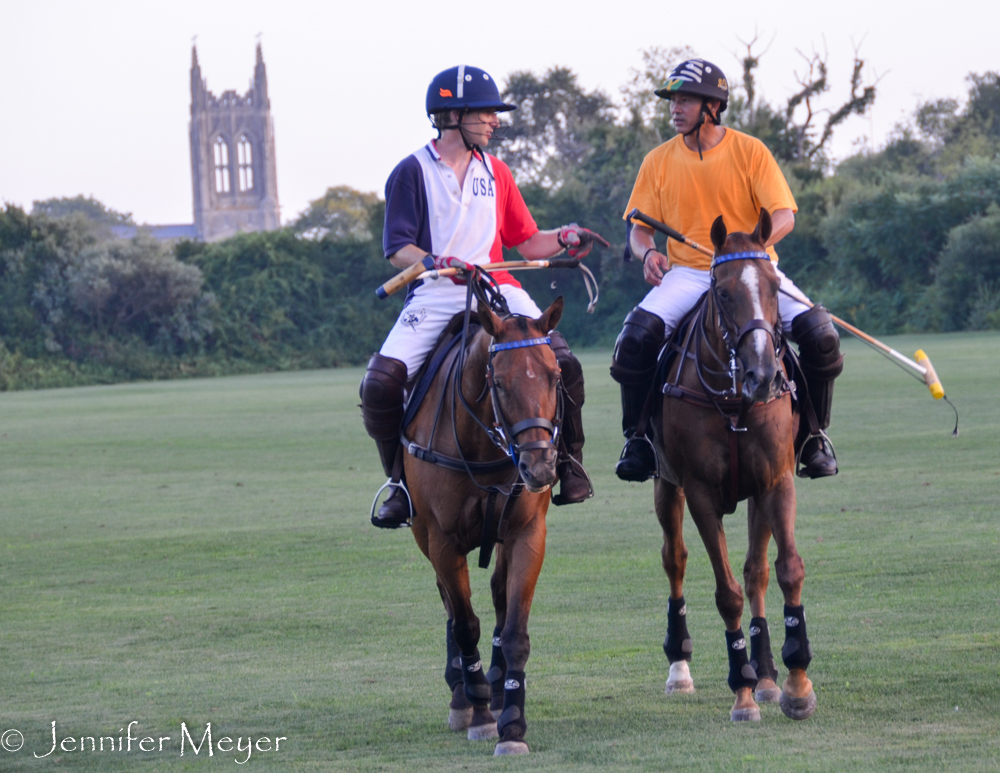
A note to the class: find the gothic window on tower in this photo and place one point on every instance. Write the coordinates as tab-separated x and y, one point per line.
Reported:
245	156
221	166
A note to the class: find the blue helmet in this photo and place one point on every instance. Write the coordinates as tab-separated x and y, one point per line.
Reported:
464	88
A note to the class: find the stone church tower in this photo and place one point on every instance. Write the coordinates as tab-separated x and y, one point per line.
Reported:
232	158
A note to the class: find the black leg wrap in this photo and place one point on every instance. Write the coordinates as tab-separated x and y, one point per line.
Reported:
498	669
453	668
796	652
741	673
477	688
677	645
511	723
760	650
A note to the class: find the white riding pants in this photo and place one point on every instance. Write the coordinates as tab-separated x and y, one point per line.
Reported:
682	286
430	310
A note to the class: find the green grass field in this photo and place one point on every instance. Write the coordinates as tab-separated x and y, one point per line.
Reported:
199	552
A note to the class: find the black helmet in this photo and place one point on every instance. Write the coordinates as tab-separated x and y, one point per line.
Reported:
464	88
696	76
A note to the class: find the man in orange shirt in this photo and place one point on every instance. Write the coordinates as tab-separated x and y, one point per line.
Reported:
688	181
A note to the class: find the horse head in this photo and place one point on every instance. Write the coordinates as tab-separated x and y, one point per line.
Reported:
523	379
745	293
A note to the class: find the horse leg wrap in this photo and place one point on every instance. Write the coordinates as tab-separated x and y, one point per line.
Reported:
796	652
453	668
677	645
511	723
382	395
760	650
741	673
498	668
477	688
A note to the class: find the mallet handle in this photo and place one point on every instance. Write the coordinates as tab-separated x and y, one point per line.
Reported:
404	277
507	265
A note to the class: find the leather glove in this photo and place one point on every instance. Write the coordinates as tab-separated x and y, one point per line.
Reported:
578	242
448	262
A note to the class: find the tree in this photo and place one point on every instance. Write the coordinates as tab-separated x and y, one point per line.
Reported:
88	207
549	128
340	214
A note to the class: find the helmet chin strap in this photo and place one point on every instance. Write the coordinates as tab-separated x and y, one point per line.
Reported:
472	147
696	131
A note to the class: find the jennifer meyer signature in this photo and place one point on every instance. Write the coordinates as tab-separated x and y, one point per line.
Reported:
131	741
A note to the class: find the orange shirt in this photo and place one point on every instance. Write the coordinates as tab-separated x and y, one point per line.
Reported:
736	179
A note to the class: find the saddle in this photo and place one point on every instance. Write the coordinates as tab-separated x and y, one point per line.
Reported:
732	407
450	337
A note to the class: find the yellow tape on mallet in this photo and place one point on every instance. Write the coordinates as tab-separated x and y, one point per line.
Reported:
930	376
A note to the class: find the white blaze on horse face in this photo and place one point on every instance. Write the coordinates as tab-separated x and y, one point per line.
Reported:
751	279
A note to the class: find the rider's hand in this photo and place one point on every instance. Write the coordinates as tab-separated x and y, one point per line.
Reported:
654	266
578	242
447	262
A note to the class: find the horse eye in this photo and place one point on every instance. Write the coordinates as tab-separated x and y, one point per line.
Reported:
724	294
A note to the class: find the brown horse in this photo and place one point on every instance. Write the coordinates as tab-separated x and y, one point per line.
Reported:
726	432
482	457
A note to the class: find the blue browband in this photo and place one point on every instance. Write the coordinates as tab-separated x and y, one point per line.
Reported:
739	256
520	344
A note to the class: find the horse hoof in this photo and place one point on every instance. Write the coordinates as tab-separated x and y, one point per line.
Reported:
483	732
768	695
510	747
459	719
679	680
745	715
798	708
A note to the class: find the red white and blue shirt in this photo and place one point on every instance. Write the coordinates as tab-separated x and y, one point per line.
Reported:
426	207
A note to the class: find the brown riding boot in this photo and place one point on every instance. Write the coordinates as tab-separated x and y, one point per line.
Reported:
382	396
574	483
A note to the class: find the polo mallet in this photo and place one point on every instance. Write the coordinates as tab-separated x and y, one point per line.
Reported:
922	369
425	270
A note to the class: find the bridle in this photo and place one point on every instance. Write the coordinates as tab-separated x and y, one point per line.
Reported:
726	324
504	434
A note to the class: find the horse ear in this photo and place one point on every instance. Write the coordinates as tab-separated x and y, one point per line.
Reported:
551	316
718	233
491	322
763	230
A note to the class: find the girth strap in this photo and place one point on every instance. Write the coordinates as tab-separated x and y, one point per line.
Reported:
490	537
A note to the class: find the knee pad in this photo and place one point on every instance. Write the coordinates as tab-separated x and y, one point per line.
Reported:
819	344
572	371
637	347
382	395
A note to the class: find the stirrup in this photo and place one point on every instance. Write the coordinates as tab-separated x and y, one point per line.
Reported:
392	484
656	459
825	443
560	500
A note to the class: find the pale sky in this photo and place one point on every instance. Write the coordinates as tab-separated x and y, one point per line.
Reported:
94	94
